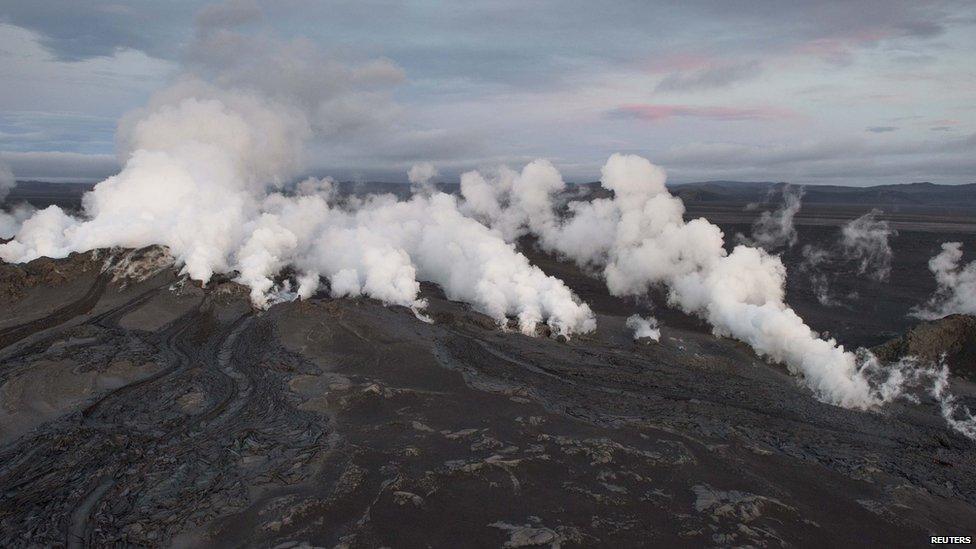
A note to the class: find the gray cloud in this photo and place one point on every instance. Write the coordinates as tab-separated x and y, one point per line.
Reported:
657	112
922	28
341	101
73	30
489	40
850	162
229	14
509	81
74	132
710	77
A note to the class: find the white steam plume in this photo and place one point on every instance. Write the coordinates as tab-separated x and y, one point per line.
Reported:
958	416
381	248
956	291
421	178
10	222
511	202
773	230
200	158
644	327
865	241
639	240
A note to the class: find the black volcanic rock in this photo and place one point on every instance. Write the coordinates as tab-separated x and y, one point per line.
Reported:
150	412
953	336
139	409
15	279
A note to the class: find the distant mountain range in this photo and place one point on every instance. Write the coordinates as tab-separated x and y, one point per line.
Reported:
907	194
927	195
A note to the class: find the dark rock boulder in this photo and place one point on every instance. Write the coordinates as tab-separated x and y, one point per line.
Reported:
954	335
15	279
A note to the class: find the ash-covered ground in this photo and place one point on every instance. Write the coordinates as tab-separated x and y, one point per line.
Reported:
137	408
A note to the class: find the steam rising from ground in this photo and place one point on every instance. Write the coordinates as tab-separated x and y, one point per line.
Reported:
205	162
814	259
956	292
638	240
195	182
644	327
774	230
380	247
863	241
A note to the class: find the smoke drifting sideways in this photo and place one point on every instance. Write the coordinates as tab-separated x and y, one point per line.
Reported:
638	239
956	292
774	230
11	216
814	259
863	241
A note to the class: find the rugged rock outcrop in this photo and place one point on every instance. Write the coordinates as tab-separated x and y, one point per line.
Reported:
15	279
953	336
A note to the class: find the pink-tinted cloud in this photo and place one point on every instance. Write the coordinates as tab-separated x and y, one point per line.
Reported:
678	62
839	48
656	113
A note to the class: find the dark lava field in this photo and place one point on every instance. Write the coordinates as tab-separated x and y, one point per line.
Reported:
139	409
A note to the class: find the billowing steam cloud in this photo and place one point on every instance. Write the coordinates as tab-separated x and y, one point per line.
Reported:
865	241
638	239
195	182
204	163
774	230
514	203
200	159
380	247
644	327
957	284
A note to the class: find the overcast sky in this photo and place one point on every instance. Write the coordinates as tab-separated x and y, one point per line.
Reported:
850	92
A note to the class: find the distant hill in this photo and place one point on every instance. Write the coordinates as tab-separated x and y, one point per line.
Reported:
907	194
890	197
42	194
